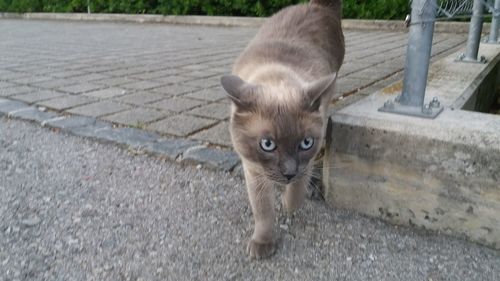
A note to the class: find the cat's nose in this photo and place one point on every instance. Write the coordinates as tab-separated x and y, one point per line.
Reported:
289	176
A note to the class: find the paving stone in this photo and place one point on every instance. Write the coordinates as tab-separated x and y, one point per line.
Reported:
339	104
71	122
6	92
32	79
38	96
66	73
115	81
215	110
204	83
192	75
175	90
80	88
172	79
158	74
391	66
170	148
10	105
55	83
225	101
374	74
4	84
128	136
351	67
90	77
211	158
176	104
136	116
33	114
118	72
219	134
195	67
66	102
99	108
142	85
124	72
140	98
101	69
107	93
211	94
180	125
347	85
14	75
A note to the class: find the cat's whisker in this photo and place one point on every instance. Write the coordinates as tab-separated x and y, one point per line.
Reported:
312	176
332	167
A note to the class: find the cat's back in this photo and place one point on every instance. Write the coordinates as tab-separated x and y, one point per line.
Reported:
298	35
302	23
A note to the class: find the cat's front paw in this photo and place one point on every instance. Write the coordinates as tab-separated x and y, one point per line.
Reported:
260	250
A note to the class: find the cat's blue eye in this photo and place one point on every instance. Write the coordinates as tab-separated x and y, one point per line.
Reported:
267	145
307	143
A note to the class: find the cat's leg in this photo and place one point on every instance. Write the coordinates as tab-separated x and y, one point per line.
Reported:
295	194
261	195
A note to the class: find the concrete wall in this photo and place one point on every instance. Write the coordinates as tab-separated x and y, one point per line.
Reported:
441	174
415	180
486	94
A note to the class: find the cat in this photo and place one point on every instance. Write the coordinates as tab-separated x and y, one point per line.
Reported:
280	89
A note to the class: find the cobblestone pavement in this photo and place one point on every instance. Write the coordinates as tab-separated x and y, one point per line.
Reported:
164	78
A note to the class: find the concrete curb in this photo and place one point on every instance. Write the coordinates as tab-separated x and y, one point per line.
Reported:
439	174
353	24
184	20
176	150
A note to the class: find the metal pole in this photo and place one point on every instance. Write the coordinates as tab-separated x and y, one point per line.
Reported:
476	26
418	54
88	6
423	15
493	38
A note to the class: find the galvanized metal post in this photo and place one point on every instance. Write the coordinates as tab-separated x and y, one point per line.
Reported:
411	100
475	28
423	13
493	38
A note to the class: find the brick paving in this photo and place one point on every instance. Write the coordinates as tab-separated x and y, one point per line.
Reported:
165	78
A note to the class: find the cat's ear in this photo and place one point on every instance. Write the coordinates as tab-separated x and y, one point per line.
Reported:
318	92
239	91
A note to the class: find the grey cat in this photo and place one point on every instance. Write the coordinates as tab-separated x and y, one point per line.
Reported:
280	90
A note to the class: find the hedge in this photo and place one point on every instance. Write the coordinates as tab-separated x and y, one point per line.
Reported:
370	9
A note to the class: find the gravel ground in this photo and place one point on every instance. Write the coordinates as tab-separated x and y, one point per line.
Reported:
73	209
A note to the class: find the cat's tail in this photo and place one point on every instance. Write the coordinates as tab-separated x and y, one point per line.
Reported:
336	5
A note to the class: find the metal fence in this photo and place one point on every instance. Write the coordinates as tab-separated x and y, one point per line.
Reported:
424	13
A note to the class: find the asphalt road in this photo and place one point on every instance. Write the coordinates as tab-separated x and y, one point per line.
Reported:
74	209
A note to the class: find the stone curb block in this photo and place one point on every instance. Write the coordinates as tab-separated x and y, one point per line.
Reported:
392	25
128	136
10	106
191	152
170	148
67	123
211	158
33	114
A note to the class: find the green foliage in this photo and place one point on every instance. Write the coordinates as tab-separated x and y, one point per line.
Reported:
361	9
21	5
379	9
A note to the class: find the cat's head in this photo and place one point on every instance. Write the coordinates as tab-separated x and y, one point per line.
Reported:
278	133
